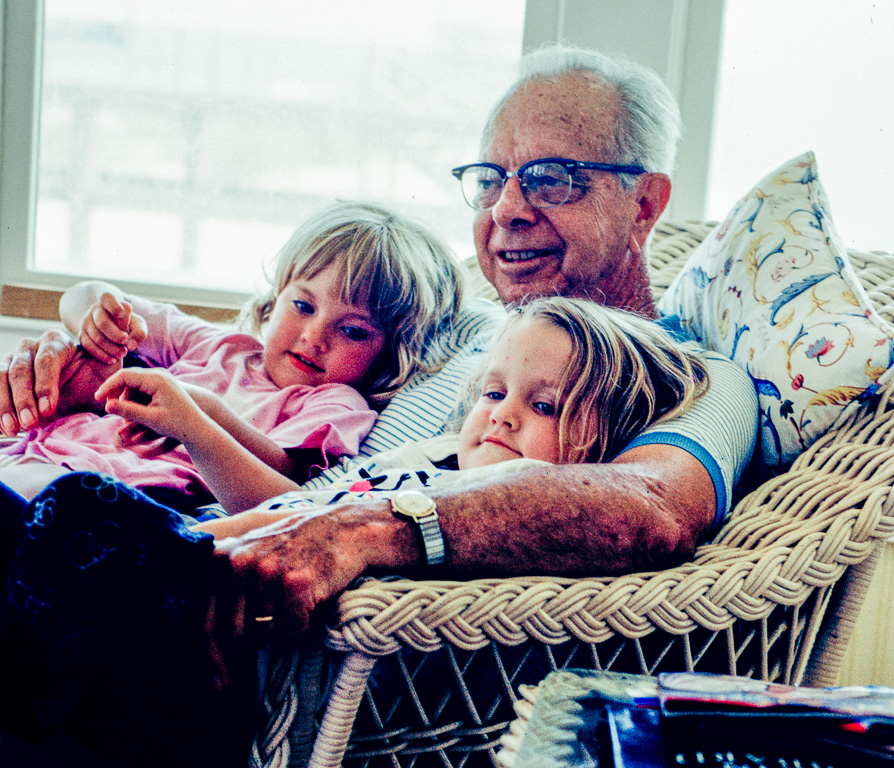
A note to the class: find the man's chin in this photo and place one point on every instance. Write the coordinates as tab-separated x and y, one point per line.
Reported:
516	294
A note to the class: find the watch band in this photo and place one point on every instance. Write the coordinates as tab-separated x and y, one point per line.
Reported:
421	509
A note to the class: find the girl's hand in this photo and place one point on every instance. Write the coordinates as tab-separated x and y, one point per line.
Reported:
153	398
110	329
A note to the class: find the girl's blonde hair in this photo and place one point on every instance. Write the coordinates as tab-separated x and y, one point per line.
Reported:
625	373
404	276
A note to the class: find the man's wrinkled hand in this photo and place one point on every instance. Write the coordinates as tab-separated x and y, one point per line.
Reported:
30	380
281	573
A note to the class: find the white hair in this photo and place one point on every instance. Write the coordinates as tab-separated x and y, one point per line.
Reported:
649	128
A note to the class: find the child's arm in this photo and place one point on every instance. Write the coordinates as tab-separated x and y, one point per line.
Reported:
242	523
250	438
101	316
242	469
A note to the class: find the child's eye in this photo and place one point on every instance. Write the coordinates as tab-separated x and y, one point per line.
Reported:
547	409
354	333
305	307
495	396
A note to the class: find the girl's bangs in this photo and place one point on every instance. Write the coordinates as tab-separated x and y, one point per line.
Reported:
354	270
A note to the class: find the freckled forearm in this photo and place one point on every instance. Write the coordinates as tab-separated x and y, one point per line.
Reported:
572	520
386	541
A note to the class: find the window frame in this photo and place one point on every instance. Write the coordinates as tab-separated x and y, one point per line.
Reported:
680	39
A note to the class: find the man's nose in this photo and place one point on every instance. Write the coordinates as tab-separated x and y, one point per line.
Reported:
512	209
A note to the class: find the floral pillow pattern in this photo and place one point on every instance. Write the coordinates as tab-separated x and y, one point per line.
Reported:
772	288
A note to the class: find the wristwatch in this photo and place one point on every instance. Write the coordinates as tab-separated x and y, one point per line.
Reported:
416	506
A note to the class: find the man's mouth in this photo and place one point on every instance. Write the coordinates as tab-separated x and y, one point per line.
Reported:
302	362
520	256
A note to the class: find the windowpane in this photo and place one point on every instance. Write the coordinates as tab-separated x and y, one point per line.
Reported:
183	142
810	74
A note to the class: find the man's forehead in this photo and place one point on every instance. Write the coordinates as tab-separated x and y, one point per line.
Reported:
574	116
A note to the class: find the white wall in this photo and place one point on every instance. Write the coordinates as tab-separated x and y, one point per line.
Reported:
14	328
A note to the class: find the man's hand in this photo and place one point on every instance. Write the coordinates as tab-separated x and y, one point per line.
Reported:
288	568
79	381
285	571
30	380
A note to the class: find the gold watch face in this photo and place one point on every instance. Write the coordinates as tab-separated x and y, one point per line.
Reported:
413	504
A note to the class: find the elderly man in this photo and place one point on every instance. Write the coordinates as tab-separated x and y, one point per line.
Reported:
573	176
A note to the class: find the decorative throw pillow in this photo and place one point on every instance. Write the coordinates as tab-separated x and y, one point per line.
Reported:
772	288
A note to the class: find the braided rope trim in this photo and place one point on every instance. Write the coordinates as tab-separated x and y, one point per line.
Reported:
280	704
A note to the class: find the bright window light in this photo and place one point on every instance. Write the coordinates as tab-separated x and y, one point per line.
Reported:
181	143
810	74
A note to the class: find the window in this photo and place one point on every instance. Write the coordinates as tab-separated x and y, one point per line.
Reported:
814	75
180	144
196	153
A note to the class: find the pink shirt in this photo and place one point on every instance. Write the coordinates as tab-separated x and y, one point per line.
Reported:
333	418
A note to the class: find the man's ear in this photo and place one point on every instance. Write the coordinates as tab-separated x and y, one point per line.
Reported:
652	193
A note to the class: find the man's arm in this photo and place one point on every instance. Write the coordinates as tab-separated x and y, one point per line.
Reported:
647	510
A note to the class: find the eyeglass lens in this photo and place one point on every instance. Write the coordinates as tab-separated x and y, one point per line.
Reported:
544	185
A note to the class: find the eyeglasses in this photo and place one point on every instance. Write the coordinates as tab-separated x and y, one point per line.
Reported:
545	183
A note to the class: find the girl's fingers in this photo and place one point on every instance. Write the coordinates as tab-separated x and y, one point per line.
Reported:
100	346
102	336
112	328
117	312
138	332
136	385
112	386
130	408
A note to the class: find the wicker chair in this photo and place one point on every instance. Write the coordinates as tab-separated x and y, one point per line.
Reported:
775	596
